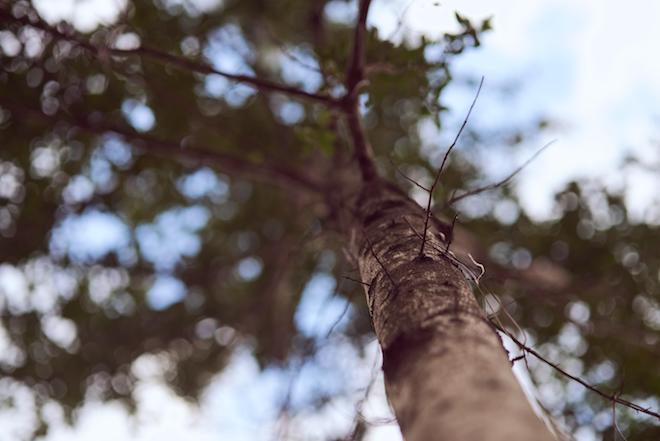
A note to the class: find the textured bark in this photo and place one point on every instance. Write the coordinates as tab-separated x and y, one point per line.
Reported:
446	372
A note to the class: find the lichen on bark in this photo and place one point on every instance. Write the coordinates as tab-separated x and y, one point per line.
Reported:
446	372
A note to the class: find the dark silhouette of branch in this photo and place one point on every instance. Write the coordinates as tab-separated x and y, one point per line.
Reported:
227	163
442	165
380	262
355	72
411	227
309	351
168	59
349	103
614	398
498	184
357	281
615	426
363	150
354	79
400	20
450	236
408	178
200	67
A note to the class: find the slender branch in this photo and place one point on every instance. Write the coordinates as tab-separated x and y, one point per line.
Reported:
615	398
357	281
200	67
380	262
411	227
168	59
350	105
408	178
355	73
450	236
400	21
498	184
229	164
309	351
363	151
458	135
442	165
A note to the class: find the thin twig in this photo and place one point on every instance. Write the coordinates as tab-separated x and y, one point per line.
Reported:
399	24
405	219
308	352
407	177
451	232
442	165
612	398
615	426
382	265
498	184
356	281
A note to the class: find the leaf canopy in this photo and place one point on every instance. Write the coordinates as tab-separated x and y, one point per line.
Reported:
150	203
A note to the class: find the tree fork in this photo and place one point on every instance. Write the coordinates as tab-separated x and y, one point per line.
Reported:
446	372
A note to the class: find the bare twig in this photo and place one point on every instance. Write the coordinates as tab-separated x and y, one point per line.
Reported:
612	398
309	351
405	219
169	60
357	281
451	235
442	165
399	24
339	318
408	178
380	262
615	426
498	184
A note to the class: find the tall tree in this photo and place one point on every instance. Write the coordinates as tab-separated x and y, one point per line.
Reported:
194	130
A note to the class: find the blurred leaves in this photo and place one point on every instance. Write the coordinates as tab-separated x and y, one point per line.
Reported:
112	256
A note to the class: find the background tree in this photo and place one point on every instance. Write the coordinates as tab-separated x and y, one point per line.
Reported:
187	135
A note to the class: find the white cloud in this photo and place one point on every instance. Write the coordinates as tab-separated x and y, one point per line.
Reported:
85	15
587	65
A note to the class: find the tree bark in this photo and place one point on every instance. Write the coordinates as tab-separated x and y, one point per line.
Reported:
447	374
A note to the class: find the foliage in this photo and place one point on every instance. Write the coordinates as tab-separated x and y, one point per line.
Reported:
128	178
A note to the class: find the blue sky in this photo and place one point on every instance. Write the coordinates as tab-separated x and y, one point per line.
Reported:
585	65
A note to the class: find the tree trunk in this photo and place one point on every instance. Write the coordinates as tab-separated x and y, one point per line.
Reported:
447	374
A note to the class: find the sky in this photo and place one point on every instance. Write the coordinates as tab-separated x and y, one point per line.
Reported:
586	66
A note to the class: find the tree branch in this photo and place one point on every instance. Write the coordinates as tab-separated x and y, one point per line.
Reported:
354	79
226	163
612	398
363	151
498	184
408	178
442	165
355	72
168	59
348	103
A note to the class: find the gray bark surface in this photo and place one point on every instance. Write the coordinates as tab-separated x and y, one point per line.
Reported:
447	374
